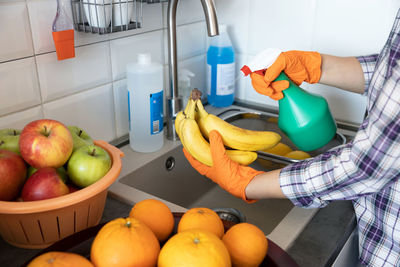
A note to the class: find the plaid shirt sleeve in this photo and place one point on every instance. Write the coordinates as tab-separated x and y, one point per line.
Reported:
368	64
362	167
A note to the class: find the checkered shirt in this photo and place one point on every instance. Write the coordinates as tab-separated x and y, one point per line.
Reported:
366	170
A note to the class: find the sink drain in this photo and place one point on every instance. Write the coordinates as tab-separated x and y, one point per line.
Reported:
170	163
230	214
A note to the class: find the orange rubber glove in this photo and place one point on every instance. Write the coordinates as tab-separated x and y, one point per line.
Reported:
228	174
299	66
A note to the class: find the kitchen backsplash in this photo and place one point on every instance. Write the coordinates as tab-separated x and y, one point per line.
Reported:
90	89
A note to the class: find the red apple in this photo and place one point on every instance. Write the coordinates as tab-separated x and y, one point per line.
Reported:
45	143
45	183
12	174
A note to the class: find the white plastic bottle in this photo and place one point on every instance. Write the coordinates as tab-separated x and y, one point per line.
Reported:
145	96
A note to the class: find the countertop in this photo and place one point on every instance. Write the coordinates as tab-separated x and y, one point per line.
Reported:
316	246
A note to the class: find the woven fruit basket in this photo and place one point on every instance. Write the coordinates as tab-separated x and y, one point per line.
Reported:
38	224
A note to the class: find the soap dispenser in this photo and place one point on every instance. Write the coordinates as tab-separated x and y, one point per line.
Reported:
184	84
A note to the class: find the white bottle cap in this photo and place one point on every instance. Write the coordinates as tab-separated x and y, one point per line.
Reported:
144	58
222	28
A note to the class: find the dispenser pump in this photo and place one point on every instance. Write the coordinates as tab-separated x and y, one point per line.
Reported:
144	58
184	84
304	117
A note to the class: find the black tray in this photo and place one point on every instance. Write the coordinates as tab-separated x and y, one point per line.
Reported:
81	242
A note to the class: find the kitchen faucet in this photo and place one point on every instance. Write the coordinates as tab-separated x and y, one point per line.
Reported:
174	100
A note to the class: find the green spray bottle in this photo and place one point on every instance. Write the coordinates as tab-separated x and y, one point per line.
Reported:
304	117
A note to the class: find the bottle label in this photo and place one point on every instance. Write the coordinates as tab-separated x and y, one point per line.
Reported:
156	112
225	84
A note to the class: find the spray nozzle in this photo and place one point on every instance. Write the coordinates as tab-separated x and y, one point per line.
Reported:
261	61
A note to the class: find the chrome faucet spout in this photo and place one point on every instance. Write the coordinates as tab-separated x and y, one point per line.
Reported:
211	17
174	104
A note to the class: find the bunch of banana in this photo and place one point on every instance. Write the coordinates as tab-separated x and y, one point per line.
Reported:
194	142
233	136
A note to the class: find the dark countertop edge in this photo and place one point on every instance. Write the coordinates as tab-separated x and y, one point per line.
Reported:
322	239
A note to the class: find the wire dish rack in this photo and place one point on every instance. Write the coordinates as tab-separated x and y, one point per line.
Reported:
108	16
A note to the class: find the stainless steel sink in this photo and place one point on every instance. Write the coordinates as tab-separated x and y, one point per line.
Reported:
167	175
170	177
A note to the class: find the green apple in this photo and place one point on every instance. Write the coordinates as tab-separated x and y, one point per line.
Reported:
61	172
9	140
88	164
80	137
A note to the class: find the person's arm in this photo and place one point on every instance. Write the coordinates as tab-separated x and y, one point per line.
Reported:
265	185
342	72
348	73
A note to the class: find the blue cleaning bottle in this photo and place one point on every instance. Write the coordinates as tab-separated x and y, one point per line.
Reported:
221	70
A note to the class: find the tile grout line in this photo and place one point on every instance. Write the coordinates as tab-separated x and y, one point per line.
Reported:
35	61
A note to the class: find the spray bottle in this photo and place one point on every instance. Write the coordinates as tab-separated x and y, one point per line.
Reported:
304	117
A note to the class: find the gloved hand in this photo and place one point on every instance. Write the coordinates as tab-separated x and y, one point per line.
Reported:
299	66
228	174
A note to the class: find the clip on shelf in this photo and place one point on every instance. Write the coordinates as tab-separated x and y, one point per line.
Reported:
108	16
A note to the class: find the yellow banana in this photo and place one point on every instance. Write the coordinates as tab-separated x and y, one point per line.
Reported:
181	116
194	142
233	136
241	157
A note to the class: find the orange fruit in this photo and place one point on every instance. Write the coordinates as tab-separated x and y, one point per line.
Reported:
60	259
194	248
297	154
201	218
156	215
247	244
125	242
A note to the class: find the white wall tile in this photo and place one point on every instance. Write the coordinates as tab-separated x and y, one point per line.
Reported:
190	39
125	50
357	31
235	14
89	68
284	24
19	83
92	110
15	33
18	120
187	11
42	13
121	107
